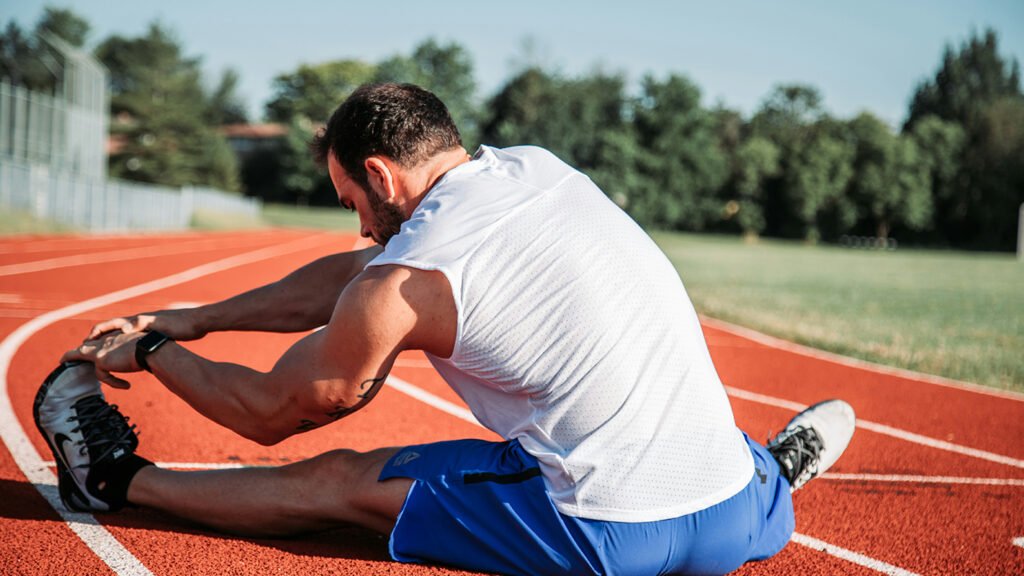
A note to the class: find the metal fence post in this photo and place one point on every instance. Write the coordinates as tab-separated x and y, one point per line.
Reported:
1020	233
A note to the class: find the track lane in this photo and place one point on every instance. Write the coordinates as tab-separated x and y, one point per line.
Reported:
27	457
951	414
749	417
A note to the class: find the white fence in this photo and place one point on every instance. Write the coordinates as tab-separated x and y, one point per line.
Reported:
101	205
51	130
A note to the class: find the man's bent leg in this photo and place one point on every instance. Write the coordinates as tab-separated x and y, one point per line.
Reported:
335	488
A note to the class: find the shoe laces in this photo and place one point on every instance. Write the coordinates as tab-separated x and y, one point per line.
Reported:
103	428
798	454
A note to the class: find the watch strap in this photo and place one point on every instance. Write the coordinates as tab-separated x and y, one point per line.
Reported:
147	345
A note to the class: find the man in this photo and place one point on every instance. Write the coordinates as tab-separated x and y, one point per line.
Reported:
544	306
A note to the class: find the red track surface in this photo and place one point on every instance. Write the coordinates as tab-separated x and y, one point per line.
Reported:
930	526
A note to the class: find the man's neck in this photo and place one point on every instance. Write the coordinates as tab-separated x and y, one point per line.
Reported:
421	179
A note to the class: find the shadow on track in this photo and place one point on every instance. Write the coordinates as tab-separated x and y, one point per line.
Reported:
20	500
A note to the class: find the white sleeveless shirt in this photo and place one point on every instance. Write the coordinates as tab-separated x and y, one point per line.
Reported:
576	337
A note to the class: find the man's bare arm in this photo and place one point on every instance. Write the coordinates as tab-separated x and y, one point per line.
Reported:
326	376
302	300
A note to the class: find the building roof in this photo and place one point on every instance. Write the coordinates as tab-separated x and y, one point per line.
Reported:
253	131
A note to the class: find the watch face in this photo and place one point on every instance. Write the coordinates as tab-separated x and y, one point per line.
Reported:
152	341
147	345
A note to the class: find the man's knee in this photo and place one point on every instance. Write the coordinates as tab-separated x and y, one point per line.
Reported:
342	485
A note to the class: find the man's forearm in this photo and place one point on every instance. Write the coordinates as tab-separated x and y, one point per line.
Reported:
231	395
303	300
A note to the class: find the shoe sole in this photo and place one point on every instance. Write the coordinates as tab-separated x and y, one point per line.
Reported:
66	485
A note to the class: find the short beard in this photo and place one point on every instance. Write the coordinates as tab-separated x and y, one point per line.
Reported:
389	217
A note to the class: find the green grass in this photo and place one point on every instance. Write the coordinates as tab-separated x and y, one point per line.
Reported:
954	314
282	216
306	217
13	222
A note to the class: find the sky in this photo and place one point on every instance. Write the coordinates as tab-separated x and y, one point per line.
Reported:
862	55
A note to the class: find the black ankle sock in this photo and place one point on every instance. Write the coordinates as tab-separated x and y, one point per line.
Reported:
110	482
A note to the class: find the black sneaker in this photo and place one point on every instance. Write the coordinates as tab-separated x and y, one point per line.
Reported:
92	443
813	441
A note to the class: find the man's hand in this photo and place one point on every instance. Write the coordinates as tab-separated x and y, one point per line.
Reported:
178	324
111	353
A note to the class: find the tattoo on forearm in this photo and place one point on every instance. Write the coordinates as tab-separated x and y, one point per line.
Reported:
369	387
367	390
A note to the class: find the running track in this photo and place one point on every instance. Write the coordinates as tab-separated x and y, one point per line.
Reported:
933	482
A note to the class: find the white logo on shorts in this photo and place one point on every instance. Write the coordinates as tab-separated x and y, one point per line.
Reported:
406	457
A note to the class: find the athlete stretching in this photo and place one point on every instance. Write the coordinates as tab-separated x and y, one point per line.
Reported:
543	305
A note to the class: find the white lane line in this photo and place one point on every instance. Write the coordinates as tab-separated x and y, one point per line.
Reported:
139	252
940	444
780	344
23	246
436	401
884	429
1019	541
95	536
913	479
464	414
850	556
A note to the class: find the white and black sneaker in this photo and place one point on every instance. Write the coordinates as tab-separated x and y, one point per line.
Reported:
92	443
813	441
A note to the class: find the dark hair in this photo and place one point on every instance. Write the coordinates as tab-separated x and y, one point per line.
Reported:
400	121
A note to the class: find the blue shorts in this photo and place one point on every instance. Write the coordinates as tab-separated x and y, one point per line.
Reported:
483	506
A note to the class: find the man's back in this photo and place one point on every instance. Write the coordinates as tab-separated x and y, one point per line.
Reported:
576	337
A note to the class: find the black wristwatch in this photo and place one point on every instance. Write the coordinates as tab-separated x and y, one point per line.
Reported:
147	345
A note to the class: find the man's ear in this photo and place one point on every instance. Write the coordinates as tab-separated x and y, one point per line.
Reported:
380	172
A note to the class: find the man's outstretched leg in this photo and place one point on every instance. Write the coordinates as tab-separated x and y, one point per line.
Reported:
98	470
339	487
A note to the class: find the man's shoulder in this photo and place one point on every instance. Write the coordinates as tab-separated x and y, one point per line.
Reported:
416	286
403	299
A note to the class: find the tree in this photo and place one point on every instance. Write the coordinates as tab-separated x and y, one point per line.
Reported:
19	62
64	24
940	143
573	118
966	82
27	60
582	120
818	172
225	106
790	118
315	90
518	111
304	100
892	179
996	164
786	114
300	176
757	160
159	108
978	90
682	165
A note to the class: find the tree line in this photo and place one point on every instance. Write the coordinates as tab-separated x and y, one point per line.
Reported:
951	175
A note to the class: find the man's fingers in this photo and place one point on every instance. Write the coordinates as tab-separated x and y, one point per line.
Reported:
107	326
112	380
76	354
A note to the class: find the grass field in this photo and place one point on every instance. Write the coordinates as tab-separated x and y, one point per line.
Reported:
954	314
23	223
280	215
